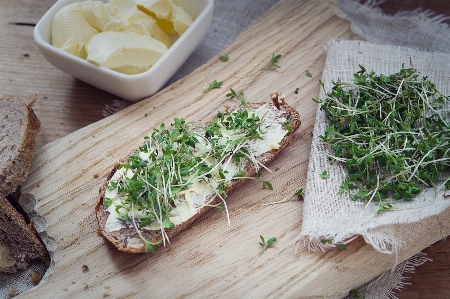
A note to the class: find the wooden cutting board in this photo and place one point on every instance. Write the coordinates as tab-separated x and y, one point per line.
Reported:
211	259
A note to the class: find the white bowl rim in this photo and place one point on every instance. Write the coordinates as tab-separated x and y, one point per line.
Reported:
39	39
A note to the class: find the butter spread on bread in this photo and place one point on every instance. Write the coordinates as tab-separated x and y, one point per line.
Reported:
181	172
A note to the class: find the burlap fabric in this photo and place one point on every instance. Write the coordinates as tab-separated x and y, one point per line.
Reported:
333	216
418	29
384	285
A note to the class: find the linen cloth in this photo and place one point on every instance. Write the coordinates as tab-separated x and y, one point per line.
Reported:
333	216
418	29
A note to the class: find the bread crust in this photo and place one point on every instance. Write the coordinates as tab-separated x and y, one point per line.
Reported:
21	237
16	170
119	238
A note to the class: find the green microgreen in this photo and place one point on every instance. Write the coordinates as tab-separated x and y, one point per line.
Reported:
220	206
151	182
296	194
272	62
264	245
392	134
288	127
341	247
324	175
326	241
107	201
238	96
267	184
355	294
211	85
224	57
214	84
308	74
296	91
287	124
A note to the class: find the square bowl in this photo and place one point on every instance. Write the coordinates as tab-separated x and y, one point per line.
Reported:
131	87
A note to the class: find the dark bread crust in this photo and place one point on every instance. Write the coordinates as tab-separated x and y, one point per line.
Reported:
119	238
22	238
16	170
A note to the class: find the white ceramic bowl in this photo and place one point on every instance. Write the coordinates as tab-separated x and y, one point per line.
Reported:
130	87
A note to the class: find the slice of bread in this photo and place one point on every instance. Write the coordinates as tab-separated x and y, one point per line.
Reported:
19	242
125	238
18	128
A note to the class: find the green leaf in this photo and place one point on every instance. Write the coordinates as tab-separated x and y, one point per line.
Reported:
167	224
224	57
324	175
265	244
298	192
107	201
213	85
273	62
267	184
341	247
221	174
150	248
271	241
288	127
326	241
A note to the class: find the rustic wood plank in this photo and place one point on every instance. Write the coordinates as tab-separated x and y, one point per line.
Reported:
430	280
63	177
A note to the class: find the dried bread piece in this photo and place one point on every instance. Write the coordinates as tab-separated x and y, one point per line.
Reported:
19	242
127	237
18	128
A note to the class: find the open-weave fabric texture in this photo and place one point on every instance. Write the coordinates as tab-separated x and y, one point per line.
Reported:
384	285
418	29
12	284
333	216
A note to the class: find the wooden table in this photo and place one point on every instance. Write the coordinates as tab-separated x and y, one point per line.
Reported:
67	105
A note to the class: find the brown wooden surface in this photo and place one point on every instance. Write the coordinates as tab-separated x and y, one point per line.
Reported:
438	7
67	105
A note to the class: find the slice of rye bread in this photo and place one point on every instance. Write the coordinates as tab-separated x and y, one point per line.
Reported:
18	128
21	238
119	238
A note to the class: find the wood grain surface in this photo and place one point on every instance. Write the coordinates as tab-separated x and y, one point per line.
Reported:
67	172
